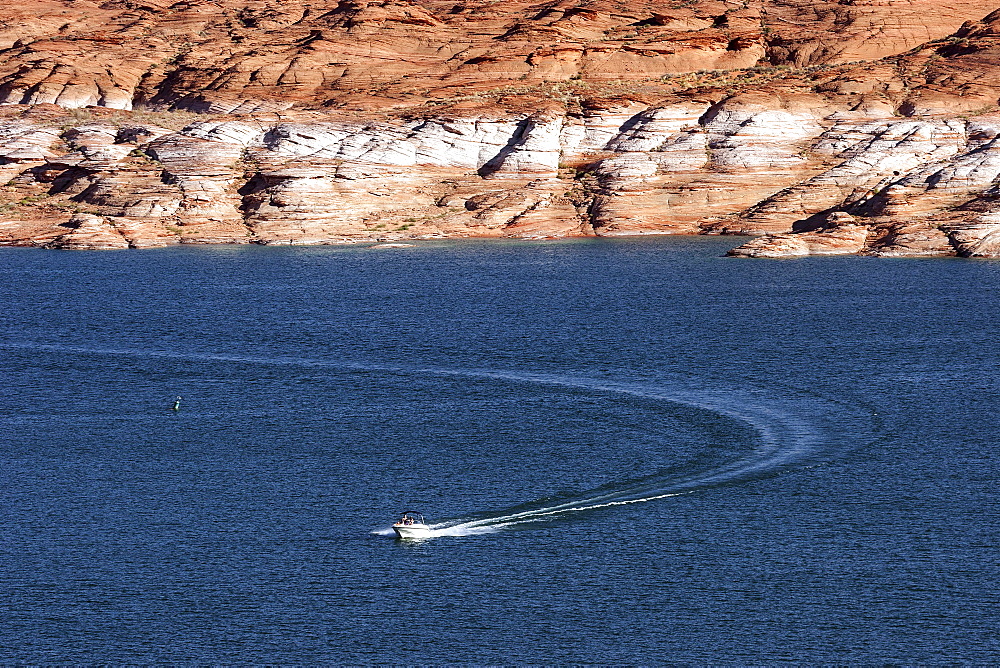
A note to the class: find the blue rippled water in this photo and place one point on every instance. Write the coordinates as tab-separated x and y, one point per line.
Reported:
632	451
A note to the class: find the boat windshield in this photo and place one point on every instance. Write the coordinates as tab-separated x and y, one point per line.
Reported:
410	517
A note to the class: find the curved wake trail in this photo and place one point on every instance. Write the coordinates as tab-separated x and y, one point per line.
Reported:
794	427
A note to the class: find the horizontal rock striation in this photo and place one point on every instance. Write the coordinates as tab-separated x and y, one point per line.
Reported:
826	127
815	180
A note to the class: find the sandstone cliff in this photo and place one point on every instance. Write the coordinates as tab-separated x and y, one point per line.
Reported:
828	127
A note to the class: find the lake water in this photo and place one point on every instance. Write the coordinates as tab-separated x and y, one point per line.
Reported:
633	451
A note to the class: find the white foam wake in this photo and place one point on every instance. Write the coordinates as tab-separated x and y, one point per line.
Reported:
794	427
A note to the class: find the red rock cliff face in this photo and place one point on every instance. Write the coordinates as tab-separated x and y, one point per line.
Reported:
263	54
831	127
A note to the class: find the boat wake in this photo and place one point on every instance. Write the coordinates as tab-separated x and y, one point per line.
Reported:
795	429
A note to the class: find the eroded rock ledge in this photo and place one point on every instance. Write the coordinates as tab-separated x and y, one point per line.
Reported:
812	179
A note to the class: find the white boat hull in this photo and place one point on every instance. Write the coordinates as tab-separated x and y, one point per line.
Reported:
411	530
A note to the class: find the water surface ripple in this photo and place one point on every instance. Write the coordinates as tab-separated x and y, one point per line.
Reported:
633	452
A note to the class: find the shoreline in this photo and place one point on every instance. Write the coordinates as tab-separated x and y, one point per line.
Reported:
801	181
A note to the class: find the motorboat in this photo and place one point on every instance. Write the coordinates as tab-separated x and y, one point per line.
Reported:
411	525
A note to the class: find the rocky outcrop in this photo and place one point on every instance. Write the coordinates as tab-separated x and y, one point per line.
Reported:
816	180
265	55
826	127
89	232
913	186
